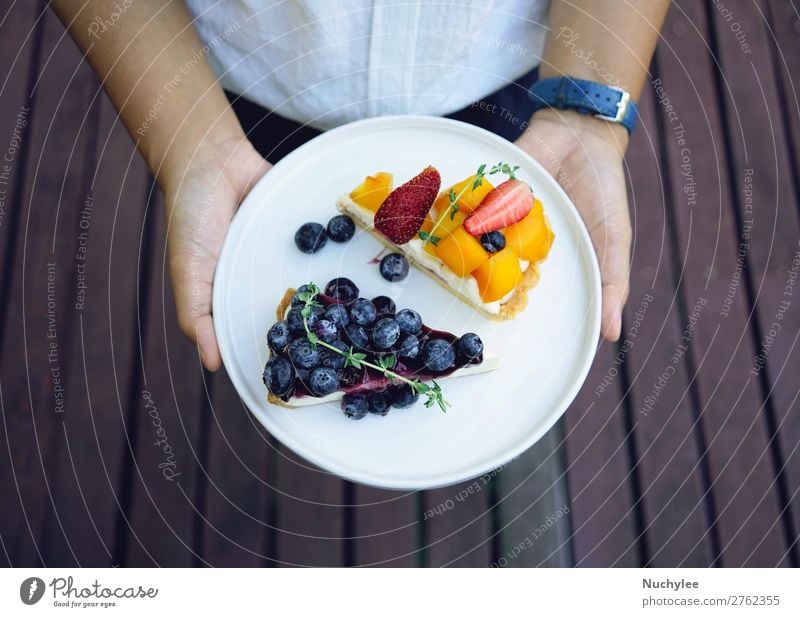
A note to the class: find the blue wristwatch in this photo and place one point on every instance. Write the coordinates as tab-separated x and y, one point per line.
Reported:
586	97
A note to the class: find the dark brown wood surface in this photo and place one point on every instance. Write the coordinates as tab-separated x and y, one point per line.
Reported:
696	469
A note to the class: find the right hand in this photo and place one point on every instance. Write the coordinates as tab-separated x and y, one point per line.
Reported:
200	206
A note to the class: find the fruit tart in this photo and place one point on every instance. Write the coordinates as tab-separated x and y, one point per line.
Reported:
332	344
484	243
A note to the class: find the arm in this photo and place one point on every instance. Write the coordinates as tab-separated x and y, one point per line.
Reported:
610	42
151	63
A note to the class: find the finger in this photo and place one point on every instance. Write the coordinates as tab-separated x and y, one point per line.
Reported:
612	243
207	343
200	330
193	308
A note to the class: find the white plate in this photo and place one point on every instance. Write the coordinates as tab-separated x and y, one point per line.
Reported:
545	353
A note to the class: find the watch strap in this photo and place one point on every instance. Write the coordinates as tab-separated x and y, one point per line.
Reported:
587	97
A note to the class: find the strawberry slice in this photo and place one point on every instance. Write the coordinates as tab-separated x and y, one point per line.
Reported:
402	213
505	204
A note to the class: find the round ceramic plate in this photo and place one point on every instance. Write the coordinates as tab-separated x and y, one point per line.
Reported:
544	354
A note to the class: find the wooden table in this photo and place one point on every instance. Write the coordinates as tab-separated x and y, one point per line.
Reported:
681	449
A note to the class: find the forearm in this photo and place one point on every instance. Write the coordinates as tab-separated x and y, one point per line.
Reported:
609	41
151	64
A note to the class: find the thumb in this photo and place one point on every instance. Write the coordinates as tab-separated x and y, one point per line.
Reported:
611	237
193	308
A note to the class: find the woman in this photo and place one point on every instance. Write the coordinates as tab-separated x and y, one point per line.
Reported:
299	66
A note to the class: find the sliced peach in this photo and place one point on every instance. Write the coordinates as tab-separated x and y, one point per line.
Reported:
531	237
538	253
427	224
498	275
460	252
373	191
468	199
443	227
471	197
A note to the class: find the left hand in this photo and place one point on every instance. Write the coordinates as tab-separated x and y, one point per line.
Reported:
200	205
585	155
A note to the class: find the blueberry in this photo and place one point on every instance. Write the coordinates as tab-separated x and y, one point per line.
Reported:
409	321
493	241
278	376
401	397
356	335
323	381
342	289
378	403
438	355
331	359
384	305
363	312
354	406
311	237
278	336
385	333
326	330
394	267
337	313
341	228
408	347
294	319
470	346
296	301
303	354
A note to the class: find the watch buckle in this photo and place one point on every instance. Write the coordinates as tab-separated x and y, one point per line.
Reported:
622	106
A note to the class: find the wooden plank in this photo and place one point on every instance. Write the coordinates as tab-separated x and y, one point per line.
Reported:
533	506
604	522
87	487
784	24
37	335
21	31
730	401
457	523
15	126
310	527
240	486
170	416
783	37
677	517
385	528
769	145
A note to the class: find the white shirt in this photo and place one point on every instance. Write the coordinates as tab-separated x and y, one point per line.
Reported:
328	62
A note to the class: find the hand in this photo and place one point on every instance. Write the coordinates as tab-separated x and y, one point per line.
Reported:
585	155
200	206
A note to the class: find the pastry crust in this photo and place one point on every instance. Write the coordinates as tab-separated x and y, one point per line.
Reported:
509	309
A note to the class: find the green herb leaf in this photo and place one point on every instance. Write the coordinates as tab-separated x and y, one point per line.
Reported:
420	387
353	358
386	362
453	211
426	237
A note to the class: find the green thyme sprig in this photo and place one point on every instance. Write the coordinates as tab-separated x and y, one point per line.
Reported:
453	197
358	360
